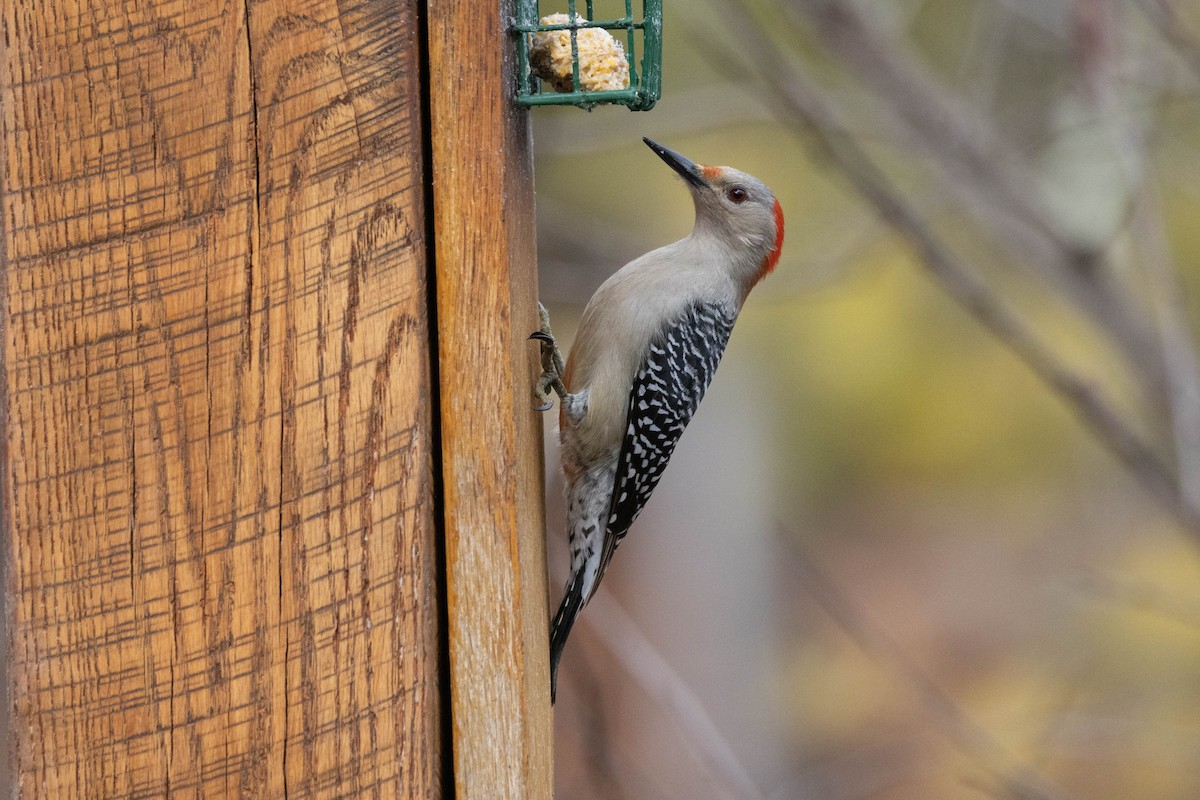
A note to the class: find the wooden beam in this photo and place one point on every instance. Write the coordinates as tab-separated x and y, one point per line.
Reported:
216	449
491	439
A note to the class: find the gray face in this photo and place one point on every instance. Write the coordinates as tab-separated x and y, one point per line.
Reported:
743	200
737	208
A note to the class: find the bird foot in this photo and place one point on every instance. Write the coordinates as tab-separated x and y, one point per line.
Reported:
552	364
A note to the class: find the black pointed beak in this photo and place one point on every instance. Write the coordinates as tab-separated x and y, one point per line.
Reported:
692	172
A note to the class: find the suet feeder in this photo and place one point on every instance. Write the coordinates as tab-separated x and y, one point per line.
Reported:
645	84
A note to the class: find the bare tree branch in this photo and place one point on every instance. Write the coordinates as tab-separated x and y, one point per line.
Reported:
644	665
1178	343
1015	779
974	162
798	105
1165	19
1098	46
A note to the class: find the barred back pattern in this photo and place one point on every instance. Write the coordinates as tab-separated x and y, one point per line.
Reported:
668	389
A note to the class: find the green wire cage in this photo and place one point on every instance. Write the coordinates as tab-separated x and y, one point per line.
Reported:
645	84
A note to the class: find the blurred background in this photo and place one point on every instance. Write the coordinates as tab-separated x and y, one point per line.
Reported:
934	532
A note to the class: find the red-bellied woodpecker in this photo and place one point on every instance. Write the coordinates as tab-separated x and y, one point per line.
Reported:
646	349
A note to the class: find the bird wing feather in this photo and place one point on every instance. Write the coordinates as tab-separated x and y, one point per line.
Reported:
666	392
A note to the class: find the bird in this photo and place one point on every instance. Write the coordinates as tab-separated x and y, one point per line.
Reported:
644	354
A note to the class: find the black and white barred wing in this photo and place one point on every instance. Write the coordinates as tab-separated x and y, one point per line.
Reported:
666	393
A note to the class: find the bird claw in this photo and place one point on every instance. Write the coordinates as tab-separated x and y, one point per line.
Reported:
541	390
552	363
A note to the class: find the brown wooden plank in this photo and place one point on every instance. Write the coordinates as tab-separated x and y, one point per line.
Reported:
217	472
491	439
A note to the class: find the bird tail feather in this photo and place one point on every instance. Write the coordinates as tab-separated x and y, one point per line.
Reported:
560	628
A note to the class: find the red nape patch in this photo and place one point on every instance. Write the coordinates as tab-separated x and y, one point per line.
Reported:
773	257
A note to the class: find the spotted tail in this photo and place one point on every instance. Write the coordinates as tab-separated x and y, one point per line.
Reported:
560	628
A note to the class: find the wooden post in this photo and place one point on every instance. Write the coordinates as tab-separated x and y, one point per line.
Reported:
217	443
491	439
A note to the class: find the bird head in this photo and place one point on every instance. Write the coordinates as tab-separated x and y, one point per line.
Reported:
737	210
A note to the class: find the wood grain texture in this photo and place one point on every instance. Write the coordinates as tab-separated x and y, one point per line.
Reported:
491	438
218	509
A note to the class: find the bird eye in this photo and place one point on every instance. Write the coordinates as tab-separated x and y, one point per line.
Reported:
737	194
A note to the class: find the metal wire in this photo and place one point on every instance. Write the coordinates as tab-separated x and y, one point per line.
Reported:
644	85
